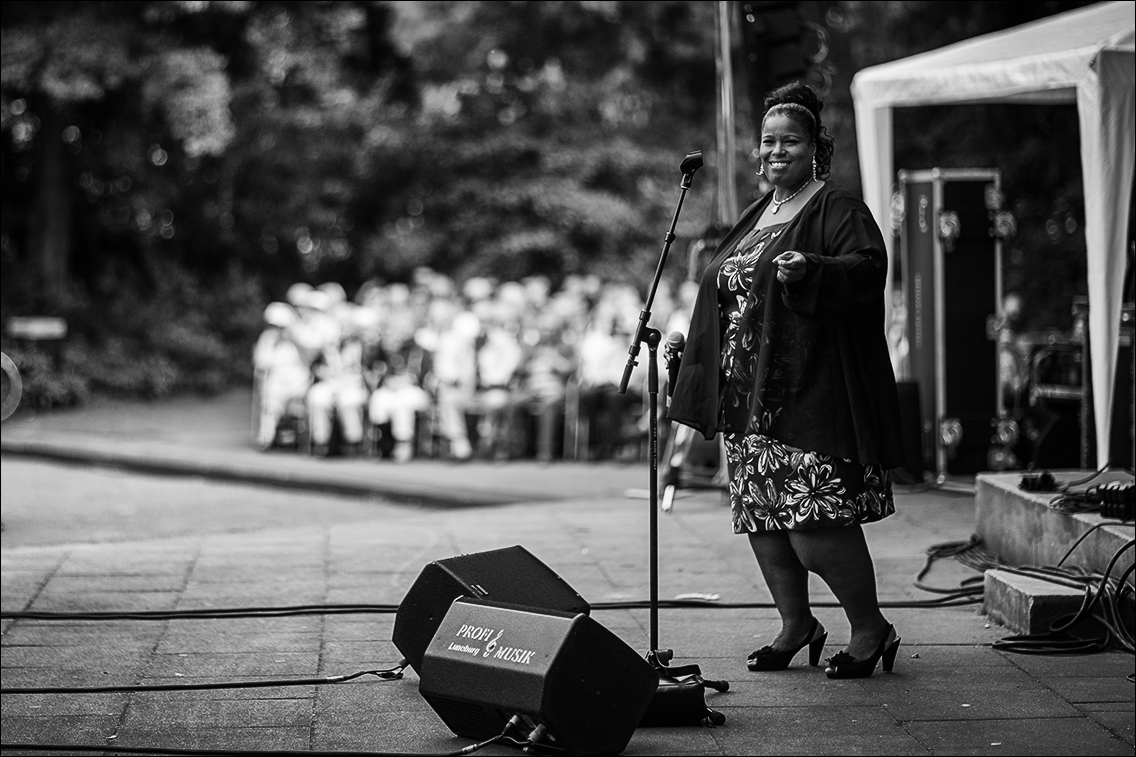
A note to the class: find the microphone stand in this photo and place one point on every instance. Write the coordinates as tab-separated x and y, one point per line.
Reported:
679	699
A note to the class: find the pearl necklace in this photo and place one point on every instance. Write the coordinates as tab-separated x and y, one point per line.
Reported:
777	205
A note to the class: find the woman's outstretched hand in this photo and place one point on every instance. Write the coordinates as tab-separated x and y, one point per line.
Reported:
790	267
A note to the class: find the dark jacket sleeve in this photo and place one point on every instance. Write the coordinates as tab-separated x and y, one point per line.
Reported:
852	271
694	401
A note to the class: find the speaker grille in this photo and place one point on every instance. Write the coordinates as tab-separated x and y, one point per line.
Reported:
465	719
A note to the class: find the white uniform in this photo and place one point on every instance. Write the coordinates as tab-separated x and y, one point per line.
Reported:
283	376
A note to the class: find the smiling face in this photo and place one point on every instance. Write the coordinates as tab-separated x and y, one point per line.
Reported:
786	151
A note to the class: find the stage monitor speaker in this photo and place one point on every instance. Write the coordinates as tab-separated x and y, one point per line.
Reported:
489	661
511	575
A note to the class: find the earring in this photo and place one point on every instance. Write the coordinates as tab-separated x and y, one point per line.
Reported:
814	168
761	171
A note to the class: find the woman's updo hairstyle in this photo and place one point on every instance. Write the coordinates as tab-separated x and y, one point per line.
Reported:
800	103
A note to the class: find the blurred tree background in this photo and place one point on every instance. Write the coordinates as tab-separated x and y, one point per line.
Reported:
168	168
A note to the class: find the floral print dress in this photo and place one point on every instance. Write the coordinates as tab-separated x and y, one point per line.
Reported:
774	486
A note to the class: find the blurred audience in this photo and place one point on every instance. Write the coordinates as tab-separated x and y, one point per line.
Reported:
396	372
339	391
281	375
486	369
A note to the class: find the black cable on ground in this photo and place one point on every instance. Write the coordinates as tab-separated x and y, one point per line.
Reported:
390	674
1060	637
98	749
272	612
108	749
964	551
671	604
955	599
1103	582
1101	602
205	614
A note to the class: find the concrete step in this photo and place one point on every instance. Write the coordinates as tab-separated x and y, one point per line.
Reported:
1027	605
1023	529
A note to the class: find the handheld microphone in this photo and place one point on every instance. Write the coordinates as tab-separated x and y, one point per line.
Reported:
672	353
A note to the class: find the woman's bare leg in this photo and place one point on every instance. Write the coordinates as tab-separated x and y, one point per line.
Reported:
788	582
840	556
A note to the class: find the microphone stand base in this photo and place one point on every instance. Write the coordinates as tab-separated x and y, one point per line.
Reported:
681	696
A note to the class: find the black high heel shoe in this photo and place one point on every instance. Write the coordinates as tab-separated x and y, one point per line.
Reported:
844	665
768	658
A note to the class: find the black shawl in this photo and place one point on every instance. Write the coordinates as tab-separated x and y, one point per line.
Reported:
841	400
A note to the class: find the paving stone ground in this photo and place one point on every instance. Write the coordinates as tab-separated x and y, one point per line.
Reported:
951	692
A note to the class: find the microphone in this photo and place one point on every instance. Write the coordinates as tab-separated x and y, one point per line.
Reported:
672	354
691	163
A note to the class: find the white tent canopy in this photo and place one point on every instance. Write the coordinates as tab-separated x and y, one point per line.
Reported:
1084	57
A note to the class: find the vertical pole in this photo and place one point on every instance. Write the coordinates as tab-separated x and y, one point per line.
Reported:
940	336
726	149
653	339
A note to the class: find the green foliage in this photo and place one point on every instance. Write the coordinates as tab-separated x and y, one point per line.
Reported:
72	51
117	367
151	333
170	332
192	91
46	384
